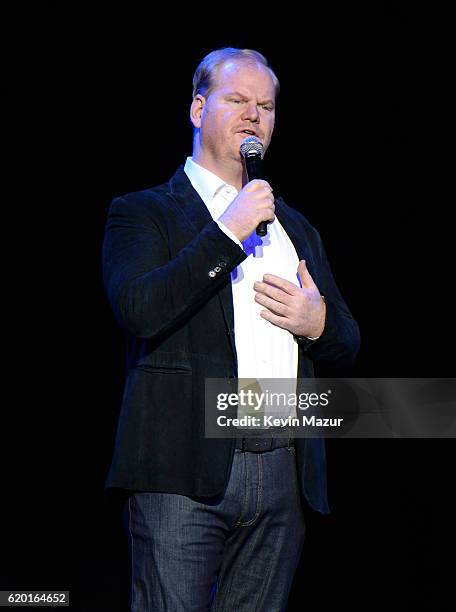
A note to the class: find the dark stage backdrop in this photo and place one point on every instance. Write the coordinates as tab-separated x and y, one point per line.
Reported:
97	106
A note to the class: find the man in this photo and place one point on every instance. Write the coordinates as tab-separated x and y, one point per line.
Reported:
201	296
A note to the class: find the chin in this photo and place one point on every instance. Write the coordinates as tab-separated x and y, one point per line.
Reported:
238	159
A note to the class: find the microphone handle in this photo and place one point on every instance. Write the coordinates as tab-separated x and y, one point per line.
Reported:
254	171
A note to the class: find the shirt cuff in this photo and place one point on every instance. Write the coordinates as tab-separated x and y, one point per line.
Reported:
228	232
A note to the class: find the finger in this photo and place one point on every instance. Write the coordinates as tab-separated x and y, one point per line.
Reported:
282	283
304	275
273	292
259	184
276	320
275	307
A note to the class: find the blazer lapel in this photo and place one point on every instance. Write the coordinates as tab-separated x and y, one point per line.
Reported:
289	225
197	215
188	200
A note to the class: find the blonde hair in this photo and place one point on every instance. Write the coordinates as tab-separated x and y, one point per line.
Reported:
204	77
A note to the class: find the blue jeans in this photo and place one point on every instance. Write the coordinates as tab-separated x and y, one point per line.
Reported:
238	551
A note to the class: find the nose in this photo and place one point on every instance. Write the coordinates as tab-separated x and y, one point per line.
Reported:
251	113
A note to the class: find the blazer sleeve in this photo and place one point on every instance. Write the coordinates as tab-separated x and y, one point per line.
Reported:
149	291
339	344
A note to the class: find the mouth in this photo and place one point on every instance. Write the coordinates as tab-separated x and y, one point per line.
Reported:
248	133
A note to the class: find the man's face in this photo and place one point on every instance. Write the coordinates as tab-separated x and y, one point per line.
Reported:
243	98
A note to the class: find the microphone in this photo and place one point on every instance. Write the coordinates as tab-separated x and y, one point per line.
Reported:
251	150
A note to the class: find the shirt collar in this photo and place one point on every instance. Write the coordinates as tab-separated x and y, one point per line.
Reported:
205	182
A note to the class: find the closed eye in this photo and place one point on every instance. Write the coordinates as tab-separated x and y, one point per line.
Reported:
267	107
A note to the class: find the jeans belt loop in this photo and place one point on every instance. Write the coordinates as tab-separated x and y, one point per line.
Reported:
289	441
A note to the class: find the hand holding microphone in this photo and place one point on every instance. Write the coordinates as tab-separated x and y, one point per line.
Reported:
253	207
251	150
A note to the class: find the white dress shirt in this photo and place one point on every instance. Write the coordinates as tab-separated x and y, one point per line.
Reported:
264	351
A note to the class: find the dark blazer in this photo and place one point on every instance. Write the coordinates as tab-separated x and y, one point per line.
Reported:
166	269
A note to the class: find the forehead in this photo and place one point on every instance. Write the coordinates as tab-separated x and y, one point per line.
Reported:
243	76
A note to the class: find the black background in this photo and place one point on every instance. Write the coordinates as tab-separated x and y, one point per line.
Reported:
97	103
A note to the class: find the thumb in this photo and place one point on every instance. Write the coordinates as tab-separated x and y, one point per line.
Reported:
304	274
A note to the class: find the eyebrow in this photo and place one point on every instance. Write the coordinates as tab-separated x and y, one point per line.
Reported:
238	93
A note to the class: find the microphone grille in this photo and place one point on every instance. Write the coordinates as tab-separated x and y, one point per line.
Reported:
251	146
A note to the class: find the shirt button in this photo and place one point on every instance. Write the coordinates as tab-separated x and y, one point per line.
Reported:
212	273
218	269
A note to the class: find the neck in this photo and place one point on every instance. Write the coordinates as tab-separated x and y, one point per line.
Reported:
230	171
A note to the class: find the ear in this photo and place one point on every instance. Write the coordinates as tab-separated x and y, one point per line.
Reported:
196	110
